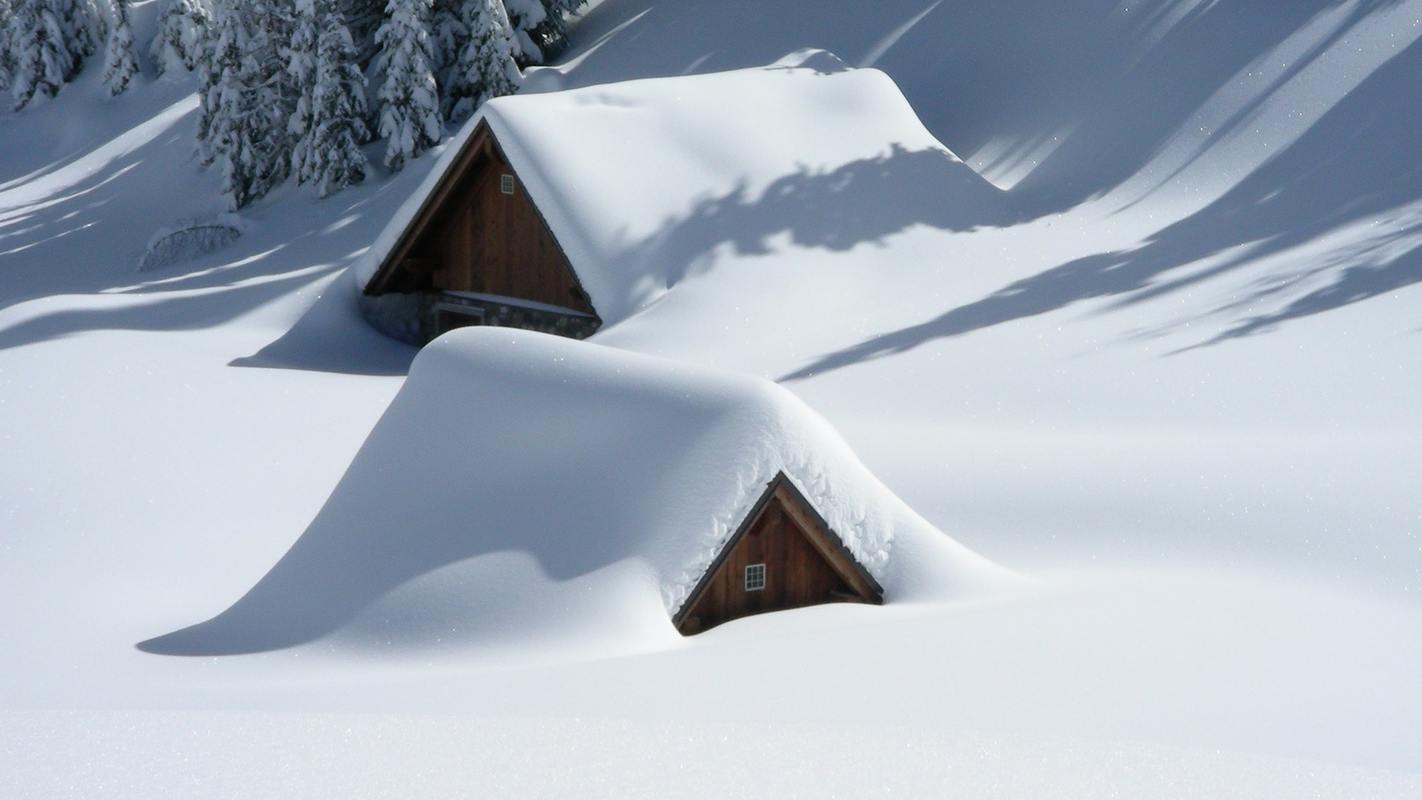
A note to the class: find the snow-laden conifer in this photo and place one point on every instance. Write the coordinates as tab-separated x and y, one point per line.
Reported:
525	16
338	108
486	67
447	37
562	8
552	36
82	23
209	69
301	74
363	18
179	41
221	94
6	64
42	59
274	95
46	42
244	127
409	106
275	84
119	63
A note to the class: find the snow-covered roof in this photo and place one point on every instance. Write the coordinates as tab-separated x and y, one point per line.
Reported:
525	482
631	176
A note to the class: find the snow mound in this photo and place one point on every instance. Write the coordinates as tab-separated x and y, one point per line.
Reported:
527	486
189	239
662	170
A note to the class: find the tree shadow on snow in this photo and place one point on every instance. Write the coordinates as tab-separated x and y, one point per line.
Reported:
1349	169
1177	56
861	202
74	217
271	263
61	239
1078	95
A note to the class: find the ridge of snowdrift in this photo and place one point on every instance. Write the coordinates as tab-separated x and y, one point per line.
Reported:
634	199
560	488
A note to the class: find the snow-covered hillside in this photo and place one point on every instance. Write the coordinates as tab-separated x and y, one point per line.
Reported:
1172	384
1224	236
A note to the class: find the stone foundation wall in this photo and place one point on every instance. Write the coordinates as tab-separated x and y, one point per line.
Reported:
414	317
395	315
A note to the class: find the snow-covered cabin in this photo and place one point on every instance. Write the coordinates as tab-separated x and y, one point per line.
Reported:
562	211
477	251
783	555
598	496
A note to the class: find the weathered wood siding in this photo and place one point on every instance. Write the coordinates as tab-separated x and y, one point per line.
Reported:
798	573
483	240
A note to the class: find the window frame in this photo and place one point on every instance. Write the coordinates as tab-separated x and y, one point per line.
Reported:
754	577
506	183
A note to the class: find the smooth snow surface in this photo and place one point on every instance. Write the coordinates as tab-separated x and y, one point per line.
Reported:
643	469
313	756
1175	385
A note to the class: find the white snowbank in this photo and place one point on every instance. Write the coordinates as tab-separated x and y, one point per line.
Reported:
531	478
659	169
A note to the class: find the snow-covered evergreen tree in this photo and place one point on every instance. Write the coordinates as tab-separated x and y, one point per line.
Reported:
119	63
562	8
245	111
301	73
486	65
221	91
46	42
6	63
42	59
409	105
209	68
552	36
337	130
274	93
447	37
179	42
83	25
525	16
363	18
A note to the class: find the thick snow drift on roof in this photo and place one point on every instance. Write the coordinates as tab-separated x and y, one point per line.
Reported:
637	180
522	484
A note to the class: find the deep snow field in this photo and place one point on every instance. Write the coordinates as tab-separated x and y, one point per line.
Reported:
1167	391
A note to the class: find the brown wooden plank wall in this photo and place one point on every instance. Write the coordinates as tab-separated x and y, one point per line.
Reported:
486	241
796	574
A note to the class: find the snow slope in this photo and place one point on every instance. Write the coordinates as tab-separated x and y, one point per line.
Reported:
1201	339
1179	394
647	467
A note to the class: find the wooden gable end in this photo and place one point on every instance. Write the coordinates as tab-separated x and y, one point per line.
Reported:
782	556
480	232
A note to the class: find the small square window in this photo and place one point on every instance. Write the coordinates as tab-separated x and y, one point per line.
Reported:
755	577
506	184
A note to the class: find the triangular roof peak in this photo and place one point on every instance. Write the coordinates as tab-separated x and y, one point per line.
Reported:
804	520
480	143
